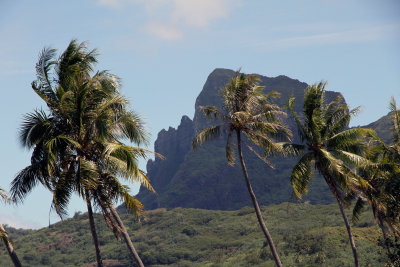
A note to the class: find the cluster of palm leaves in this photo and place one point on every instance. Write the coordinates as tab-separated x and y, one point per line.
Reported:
78	144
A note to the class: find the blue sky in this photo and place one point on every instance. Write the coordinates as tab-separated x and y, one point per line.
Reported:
165	49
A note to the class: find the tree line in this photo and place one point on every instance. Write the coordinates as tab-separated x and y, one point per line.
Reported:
79	145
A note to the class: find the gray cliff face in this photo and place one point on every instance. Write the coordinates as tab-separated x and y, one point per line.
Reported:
173	144
203	179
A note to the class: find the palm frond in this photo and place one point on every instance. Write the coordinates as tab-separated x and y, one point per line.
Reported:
357	210
4	195
43	86
34	127
205	135
301	175
131	126
62	194
351	140
264	159
291	149
25	181
212	112
230	154
300	127
396	120
352	158
265	142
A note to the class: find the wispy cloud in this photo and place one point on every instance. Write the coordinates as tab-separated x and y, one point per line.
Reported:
365	34
169	19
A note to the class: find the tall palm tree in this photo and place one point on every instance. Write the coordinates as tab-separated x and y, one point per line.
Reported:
330	146
247	112
78	147
6	239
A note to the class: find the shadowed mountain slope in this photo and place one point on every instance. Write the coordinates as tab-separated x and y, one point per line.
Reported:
383	128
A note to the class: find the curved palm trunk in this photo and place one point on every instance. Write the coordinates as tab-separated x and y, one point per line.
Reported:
384	233
126	236
256	206
93	230
346	221
352	243
10	248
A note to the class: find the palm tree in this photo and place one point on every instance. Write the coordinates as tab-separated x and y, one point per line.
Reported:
385	206
78	146
330	146
6	239
248	111
383	177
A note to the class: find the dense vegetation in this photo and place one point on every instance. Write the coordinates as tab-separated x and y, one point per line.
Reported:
305	235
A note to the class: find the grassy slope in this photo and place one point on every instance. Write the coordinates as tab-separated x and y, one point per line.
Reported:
306	235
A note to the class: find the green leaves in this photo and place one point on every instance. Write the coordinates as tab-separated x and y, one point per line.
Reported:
301	174
34	126
206	135
330	147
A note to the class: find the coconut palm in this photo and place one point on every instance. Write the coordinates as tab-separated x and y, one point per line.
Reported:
247	113
330	147
78	147
6	239
378	175
383	176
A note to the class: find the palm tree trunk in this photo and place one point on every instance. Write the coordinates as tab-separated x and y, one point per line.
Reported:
126	236
256	206
352	243
385	237
10	248
93	230
346	221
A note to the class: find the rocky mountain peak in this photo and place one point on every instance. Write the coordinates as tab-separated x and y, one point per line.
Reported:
203	179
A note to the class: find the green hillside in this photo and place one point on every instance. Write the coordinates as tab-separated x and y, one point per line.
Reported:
306	235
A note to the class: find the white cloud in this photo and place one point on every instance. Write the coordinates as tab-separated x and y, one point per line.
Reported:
168	19
164	31
17	222
199	13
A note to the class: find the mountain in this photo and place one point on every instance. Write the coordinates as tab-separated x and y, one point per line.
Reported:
305	235
203	179
383	128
